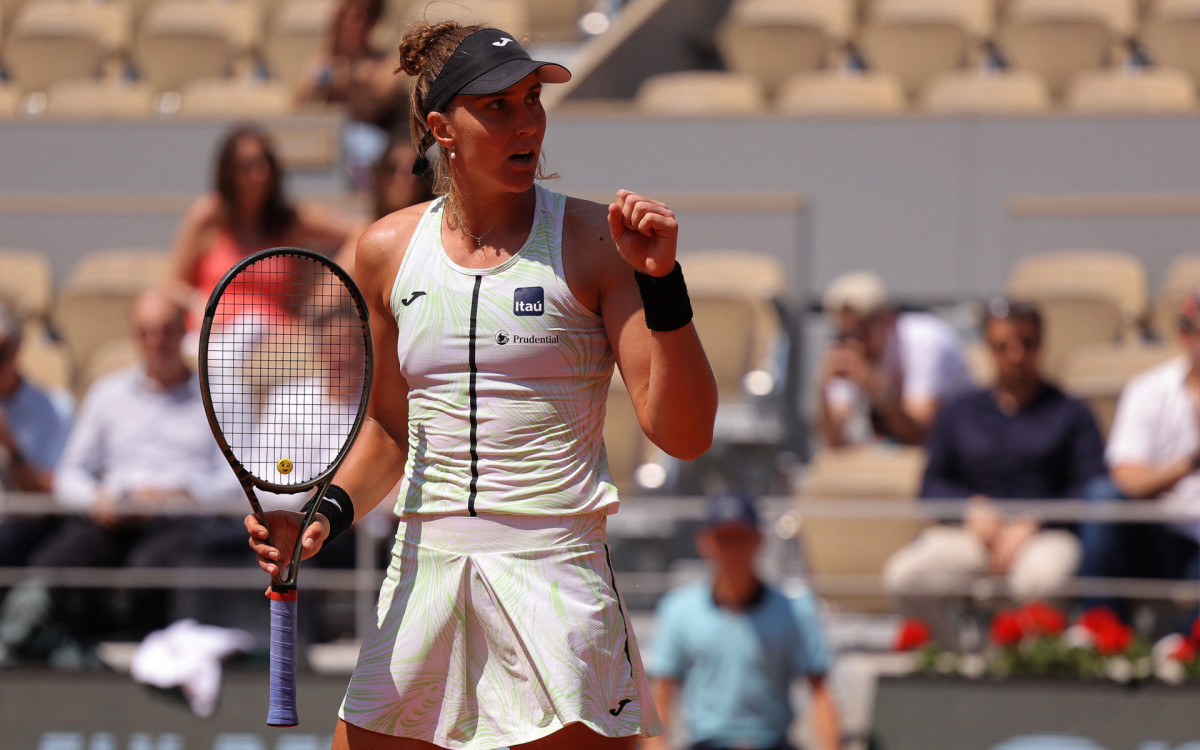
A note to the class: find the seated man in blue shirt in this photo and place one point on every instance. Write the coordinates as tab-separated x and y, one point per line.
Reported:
1022	438
728	648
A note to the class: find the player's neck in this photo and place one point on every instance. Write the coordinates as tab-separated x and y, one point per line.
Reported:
491	220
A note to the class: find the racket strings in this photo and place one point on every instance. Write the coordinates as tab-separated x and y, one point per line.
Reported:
287	367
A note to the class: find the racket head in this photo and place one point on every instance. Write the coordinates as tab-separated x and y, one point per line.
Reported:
285	367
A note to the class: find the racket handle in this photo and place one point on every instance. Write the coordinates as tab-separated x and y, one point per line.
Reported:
281	711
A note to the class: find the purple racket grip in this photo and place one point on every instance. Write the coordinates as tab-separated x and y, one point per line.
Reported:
281	712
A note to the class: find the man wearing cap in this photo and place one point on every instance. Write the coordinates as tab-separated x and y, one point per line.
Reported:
1153	453
729	647
886	373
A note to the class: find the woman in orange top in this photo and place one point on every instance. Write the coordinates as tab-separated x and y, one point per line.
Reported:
248	211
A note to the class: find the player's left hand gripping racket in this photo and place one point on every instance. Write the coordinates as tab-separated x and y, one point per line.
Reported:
285	370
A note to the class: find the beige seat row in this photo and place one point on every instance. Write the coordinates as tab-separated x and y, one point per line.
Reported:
840	92
914	40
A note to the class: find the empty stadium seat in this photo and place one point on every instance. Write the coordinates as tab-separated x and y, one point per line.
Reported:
915	40
700	92
1059	39
54	40
510	15
1137	91
27	281
90	98
296	33
1110	274
1171	34
554	20
985	92
44	360
857	548
183	40
10	100
95	303
234	98
624	440
841	93
1096	373
772	39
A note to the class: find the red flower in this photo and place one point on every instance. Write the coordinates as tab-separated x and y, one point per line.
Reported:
913	634
1185	651
1097	619
1006	628
1039	618
1113	638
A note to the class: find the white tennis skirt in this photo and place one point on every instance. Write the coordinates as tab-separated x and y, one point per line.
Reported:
498	630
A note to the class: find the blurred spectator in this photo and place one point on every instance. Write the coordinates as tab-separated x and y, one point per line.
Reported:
395	185
890	369
1022	439
729	648
247	210
348	72
141	445
33	431
1154	454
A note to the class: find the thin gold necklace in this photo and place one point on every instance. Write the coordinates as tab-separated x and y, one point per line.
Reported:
463	227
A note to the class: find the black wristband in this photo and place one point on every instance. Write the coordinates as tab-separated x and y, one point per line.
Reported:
338	508
665	300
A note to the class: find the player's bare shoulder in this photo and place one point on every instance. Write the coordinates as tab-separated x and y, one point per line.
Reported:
381	247
586	235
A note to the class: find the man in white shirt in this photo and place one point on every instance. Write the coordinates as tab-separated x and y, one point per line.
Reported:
1153	454
892	371
141	444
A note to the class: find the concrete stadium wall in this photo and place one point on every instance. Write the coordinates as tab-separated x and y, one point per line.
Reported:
942	206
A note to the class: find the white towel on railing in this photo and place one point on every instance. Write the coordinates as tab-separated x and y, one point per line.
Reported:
188	655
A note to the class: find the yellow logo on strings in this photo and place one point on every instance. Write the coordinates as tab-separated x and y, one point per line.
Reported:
284	466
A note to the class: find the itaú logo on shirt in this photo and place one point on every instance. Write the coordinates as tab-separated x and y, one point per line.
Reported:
504	337
529	300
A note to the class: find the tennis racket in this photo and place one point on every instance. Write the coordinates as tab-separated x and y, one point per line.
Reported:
285	371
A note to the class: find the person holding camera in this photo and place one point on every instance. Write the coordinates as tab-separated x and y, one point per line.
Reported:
886	373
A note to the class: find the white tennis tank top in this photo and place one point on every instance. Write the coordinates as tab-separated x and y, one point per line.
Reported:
508	374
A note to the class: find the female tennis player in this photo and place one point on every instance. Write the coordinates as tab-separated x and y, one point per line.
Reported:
498	311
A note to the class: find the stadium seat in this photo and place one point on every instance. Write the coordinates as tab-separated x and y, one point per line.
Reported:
94	99
847	550
141	267
841	93
773	39
554	20
94	304
985	92
296	33
27	281
1096	373
510	15
735	296
1181	275
112	355
1153	90
54	40
1171	35
626	444
700	92
235	97
10	100
1058	39
183	40
917	40
44	360
1115	276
